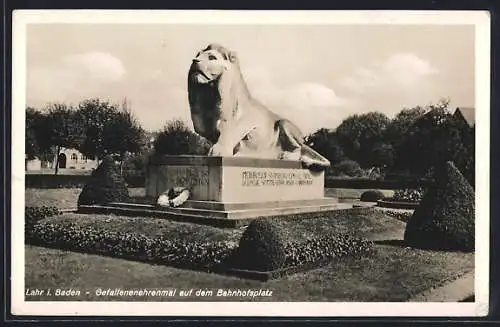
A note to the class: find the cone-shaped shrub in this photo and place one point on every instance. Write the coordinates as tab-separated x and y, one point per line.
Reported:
105	185
445	217
261	247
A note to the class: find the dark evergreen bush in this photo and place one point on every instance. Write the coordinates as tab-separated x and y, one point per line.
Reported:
105	185
348	168
261	247
372	196
445	216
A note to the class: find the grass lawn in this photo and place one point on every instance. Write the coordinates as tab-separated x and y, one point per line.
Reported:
58	197
61	197
349	193
67	197
152	227
395	273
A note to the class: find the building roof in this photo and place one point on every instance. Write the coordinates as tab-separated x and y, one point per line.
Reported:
468	114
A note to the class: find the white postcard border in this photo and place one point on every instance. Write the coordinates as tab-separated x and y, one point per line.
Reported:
481	21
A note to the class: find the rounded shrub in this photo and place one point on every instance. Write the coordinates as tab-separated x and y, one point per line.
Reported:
261	247
372	196
105	185
348	168
445	217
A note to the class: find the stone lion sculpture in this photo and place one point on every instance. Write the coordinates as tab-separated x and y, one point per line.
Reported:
224	112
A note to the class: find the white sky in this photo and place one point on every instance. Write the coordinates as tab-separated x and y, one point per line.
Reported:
313	75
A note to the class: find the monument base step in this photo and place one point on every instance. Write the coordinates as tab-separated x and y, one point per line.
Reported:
225	211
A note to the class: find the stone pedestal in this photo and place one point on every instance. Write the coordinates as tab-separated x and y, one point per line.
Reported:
238	187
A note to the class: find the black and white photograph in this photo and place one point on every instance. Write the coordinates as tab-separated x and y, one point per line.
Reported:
250	163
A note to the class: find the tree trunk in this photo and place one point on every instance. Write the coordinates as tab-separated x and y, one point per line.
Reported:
122	159
57	160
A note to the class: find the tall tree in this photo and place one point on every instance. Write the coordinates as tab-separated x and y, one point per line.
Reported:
434	138
37	142
95	115
122	134
359	135
402	123
176	138
398	134
327	144
64	129
33	118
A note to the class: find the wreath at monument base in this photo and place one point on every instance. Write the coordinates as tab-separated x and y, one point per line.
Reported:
173	197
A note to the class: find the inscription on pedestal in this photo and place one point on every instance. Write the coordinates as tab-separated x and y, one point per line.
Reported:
193	177
258	178
187	176
240	180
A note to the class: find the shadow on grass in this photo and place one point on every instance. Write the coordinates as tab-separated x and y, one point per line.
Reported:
429	247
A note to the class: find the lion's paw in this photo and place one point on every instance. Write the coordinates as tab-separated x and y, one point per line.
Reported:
287	155
219	151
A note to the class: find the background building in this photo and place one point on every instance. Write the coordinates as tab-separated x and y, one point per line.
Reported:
467	115
73	159
70	159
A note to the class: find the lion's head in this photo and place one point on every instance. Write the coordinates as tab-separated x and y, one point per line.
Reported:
210	63
215	87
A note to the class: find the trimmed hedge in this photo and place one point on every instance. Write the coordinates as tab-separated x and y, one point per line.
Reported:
261	247
446	215
288	242
372	196
105	185
409	195
180	251
311	250
32	215
403	216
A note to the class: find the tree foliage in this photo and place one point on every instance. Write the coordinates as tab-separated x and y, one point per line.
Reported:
326	143
177	139
96	115
348	168
122	135
433	138
95	128
33	121
109	130
64	128
412	143
38	140
360	135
